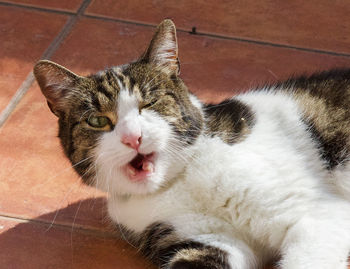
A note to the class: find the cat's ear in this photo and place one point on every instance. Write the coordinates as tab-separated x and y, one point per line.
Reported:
55	82
163	51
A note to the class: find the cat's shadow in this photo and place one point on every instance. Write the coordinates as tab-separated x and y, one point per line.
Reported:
51	241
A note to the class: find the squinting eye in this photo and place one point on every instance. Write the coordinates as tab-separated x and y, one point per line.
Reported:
147	105
98	121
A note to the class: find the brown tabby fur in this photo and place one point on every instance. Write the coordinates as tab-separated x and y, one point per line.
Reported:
325	101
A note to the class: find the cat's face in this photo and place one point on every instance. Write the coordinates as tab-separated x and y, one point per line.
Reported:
126	129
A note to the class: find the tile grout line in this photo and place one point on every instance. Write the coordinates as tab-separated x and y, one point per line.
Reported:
275	45
43	9
76	227
223	37
4	115
51	49
213	35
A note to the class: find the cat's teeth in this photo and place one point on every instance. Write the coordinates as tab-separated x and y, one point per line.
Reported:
131	171
148	166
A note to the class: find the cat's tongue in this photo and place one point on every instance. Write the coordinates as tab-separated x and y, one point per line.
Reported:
140	167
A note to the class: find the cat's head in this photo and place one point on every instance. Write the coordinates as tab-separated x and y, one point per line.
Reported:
126	129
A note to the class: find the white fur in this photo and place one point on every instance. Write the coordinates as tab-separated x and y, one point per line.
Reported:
129	122
194	100
164	54
166	50
265	195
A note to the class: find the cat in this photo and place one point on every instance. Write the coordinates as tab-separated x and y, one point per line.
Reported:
234	185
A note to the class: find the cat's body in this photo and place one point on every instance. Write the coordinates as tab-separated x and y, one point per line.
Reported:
254	191
193	185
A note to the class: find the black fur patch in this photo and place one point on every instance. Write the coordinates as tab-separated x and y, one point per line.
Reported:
160	243
230	120
152	237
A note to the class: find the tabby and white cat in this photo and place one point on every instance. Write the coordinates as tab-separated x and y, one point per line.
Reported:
265	174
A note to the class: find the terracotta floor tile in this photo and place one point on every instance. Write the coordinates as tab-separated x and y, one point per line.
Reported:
24	37
63	247
35	177
33	245
66	5
311	24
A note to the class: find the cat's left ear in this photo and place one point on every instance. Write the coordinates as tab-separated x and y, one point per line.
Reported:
55	82
163	50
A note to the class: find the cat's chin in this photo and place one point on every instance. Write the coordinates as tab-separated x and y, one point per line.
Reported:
130	186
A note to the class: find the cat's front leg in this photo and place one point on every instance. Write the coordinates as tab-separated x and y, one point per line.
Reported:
215	252
320	242
172	250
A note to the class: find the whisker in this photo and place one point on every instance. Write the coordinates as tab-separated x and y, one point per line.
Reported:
75	216
67	193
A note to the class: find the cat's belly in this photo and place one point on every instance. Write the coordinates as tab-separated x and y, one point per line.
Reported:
260	195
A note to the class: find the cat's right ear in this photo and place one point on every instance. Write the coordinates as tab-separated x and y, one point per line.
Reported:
55	82
163	49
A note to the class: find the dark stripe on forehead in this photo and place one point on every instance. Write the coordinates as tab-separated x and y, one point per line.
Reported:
104	91
110	76
132	83
95	102
126	71
84	105
121	79
107	79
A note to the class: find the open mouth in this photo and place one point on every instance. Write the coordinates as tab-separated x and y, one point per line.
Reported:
140	167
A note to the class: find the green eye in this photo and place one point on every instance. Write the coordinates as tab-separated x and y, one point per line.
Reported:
98	121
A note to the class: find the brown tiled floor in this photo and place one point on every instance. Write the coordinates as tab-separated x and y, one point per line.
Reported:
63	5
309	24
48	219
24	36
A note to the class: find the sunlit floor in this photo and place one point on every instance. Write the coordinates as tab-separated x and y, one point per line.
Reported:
48	219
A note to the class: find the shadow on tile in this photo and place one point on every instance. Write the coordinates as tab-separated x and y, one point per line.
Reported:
38	244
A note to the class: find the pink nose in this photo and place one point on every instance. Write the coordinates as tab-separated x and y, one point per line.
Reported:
132	141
